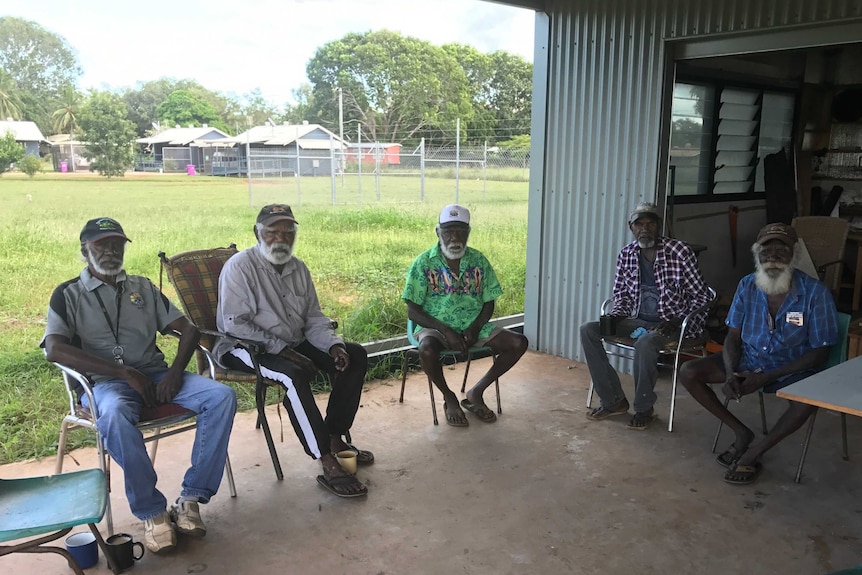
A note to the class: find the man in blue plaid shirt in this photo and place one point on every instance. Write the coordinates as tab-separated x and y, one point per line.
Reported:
657	284
781	326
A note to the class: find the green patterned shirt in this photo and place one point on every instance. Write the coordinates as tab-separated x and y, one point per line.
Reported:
454	299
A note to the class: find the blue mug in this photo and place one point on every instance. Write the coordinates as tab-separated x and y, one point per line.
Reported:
83	548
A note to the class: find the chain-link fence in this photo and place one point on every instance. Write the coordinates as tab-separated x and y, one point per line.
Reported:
385	173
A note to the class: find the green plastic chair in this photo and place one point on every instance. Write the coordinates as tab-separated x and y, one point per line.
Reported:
451	353
52	505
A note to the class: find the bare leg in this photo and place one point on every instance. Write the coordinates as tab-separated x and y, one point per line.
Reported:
697	376
429	359
508	346
791	420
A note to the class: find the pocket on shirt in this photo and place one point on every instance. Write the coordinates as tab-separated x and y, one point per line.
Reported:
794	335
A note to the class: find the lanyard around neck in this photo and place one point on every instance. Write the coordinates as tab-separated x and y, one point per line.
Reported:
115	331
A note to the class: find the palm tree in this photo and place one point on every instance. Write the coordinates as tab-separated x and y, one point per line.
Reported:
10	104
66	117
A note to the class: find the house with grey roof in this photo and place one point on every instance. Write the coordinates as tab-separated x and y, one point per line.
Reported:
27	133
173	149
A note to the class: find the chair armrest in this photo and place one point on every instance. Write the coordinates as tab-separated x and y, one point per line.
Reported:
251	346
607	305
69	377
821	269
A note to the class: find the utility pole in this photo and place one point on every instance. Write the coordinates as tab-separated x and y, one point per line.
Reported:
457	155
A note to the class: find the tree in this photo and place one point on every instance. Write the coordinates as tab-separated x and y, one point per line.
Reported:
394	85
10	152
66	116
304	108
146	98
109	135
186	108
10	101
258	108
40	62
30	165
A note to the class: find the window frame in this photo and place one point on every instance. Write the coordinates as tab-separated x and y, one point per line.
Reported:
718	83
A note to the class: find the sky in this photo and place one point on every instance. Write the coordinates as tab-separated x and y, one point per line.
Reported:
234	47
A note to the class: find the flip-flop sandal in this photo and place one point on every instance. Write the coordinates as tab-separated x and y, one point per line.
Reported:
729	457
337	484
451	419
641	421
743	474
363	457
480	410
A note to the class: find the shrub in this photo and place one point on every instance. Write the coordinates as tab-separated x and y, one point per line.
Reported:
30	165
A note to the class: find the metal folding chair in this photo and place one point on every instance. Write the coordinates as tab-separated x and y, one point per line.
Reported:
624	347
446	353
155	423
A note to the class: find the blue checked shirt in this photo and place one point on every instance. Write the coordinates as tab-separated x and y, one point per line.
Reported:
769	344
680	284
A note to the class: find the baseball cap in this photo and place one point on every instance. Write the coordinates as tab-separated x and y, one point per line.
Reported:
272	213
454	214
99	228
644	209
781	232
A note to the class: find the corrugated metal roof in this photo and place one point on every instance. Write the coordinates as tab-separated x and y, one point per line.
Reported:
181	136
280	134
24	131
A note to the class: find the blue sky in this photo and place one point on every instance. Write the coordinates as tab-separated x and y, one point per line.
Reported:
235	46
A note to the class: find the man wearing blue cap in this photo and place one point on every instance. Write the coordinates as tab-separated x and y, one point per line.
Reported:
450	293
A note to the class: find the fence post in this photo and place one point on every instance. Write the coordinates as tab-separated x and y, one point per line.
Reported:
359	155
298	169
457	157
377	168
332	168
484	169
422	169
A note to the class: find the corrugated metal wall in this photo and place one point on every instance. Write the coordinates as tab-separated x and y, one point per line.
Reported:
602	116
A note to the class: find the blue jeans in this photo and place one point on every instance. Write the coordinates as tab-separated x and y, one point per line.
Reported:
119	411
606	381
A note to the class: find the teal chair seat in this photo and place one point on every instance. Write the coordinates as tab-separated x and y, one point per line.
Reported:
446	353
51	505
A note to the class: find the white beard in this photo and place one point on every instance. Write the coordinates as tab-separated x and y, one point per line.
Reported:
773	285
277	253
646	244
110	268
453	254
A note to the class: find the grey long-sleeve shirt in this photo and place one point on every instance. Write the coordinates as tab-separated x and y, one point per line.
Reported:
278	310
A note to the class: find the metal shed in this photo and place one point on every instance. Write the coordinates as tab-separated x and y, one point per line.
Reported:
27	133
603	94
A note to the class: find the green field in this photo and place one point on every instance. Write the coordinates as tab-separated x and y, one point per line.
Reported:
357	255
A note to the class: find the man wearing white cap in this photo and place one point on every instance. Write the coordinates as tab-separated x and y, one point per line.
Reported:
657	283
450	293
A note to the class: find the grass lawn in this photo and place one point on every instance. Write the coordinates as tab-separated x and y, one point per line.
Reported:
358	251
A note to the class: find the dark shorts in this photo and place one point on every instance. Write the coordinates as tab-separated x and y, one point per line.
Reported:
718	360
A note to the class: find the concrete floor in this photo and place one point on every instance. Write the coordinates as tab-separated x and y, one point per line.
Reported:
543	490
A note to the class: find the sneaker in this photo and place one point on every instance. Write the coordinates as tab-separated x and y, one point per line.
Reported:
159	534
187	516
602	412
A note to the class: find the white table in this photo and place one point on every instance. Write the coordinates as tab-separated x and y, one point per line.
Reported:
838	388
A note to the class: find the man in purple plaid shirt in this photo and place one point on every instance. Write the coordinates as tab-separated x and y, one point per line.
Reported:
657	283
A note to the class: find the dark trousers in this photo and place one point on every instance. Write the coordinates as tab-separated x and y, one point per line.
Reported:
311	428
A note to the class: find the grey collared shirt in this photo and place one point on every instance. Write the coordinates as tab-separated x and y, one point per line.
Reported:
75	313
277	309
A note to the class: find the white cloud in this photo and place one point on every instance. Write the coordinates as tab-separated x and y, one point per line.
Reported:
233	47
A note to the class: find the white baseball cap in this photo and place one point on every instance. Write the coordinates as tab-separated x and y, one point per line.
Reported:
454	214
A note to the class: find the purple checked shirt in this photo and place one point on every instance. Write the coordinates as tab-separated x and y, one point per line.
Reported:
680	284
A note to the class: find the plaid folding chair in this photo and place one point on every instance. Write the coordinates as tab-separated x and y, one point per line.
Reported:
195	277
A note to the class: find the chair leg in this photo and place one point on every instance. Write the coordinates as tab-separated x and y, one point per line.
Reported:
798	477
590	395
499	406
466	371
720	425
104	548
260	400
229	472
762	413
403	376
61	447
154	445
433	404
673	395
844	455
